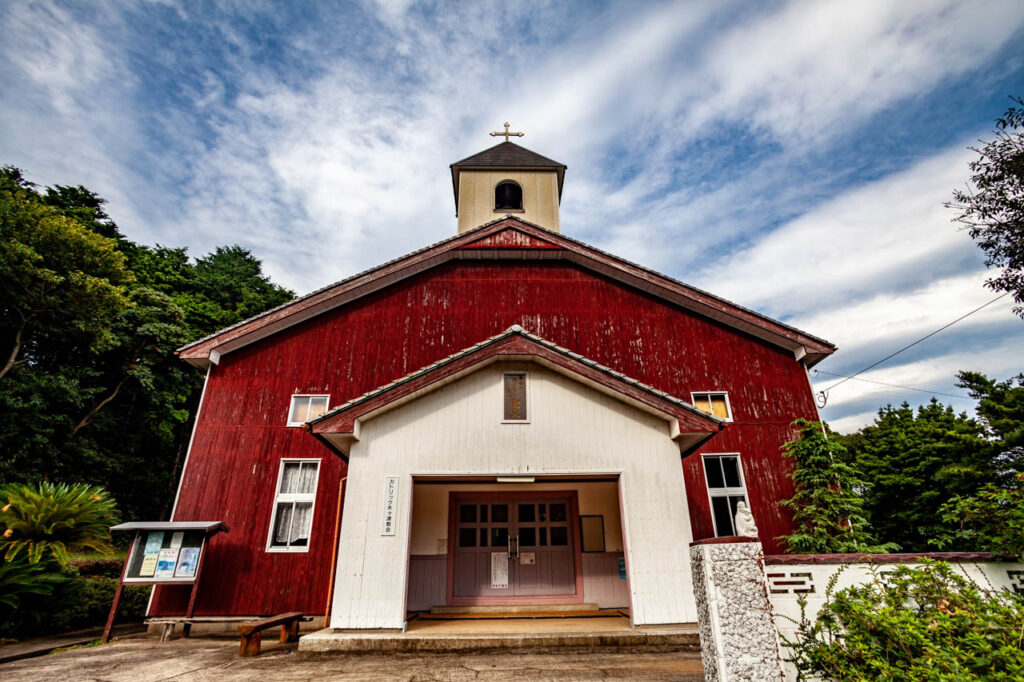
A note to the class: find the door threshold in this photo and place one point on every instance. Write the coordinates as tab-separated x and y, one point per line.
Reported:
535	614
513	608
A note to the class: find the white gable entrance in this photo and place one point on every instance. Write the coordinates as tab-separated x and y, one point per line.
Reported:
575	440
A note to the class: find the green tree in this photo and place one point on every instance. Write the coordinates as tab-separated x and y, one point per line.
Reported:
912	463
991	521
993	210
95	393
56	277
827	507
1001	411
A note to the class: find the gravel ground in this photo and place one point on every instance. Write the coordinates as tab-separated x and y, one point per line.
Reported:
137	658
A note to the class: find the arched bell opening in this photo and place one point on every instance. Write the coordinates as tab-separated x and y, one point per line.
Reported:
508	196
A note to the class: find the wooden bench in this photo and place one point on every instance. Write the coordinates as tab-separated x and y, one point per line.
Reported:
251	637
169	625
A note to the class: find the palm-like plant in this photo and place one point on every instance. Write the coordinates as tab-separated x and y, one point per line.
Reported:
51	518
20	579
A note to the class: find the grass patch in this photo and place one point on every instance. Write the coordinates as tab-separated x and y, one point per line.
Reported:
61	649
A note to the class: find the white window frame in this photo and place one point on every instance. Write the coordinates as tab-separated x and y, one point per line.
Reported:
291	405
280	497
526	392
728	405
724	492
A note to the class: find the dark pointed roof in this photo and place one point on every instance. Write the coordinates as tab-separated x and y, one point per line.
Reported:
510	156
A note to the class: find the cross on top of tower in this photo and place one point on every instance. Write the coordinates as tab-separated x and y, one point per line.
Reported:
507	134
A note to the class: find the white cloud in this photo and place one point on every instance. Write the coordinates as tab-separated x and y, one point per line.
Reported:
871	238
1000	358
898	313
814	68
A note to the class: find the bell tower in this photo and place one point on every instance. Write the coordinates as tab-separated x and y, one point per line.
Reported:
507	179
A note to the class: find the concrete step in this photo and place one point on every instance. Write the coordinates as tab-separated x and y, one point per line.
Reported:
684	641
512	608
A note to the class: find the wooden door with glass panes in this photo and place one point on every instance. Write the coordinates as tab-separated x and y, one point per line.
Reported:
513	547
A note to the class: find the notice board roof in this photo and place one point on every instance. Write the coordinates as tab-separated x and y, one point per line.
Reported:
208	526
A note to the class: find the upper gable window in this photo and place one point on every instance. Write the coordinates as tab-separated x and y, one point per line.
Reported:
508	196
715	403
306	407
514	402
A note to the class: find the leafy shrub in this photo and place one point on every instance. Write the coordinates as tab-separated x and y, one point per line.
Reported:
57	601
27	593
89	599
20	579
50	518
827	509
108	568
924	622
992	521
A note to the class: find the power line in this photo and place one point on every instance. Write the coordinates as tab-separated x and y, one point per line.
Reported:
882	383
911	345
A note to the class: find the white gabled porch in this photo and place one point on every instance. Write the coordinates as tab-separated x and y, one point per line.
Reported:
445	490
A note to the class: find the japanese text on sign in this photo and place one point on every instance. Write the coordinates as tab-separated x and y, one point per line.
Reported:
390	505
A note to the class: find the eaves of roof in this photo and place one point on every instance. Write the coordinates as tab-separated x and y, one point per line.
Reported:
208	349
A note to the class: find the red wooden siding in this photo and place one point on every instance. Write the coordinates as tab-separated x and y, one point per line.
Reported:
241	437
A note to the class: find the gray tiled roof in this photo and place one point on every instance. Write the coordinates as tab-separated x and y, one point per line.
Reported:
509	154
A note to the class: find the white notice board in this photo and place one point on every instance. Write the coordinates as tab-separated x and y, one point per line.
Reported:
499	570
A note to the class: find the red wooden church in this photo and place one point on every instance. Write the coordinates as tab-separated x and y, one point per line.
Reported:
509	416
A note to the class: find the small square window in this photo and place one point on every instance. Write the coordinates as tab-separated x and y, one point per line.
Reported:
715	403
306	407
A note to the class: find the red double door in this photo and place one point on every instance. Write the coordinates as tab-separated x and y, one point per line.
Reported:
513	547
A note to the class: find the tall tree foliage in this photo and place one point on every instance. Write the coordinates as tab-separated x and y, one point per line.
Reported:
94	392
827	506
993	210
914	462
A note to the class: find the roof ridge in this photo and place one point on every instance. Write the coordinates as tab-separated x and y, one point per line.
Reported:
513	220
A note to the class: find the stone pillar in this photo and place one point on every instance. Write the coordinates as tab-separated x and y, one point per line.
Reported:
738	640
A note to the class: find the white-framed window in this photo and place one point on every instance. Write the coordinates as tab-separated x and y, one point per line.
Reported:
306	407
291	522
726	489
515	398
715	403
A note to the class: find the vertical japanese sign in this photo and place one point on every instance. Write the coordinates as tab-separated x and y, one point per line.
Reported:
499	570
390	505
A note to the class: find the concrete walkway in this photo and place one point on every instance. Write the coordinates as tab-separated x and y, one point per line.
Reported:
41	646
137	658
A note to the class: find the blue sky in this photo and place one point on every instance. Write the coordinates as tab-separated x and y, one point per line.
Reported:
792	157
